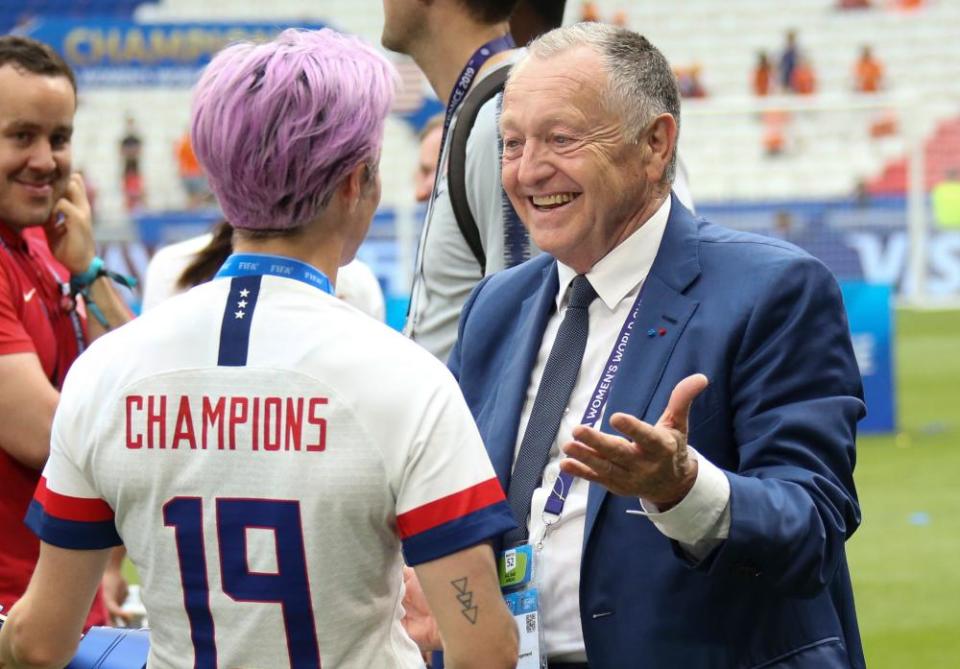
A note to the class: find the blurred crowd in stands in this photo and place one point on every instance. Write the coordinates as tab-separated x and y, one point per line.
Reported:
792	72
191	174
788	71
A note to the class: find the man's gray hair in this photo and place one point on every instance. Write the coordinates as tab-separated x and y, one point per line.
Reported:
640	83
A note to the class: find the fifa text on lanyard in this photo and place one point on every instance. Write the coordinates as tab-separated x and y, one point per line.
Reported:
259	264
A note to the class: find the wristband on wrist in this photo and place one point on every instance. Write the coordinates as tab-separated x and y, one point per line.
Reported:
94	272
80	282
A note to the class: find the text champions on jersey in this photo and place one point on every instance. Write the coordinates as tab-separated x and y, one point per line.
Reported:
226	423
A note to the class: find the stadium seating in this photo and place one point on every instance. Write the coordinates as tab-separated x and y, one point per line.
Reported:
828	151
829	148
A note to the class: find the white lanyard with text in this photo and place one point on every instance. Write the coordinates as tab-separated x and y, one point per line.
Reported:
253	264
595	407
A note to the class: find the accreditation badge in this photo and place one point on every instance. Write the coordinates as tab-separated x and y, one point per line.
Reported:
516	569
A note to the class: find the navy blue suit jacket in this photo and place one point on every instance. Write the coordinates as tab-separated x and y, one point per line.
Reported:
765	322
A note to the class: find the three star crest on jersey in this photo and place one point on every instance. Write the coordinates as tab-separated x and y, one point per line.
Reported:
241	305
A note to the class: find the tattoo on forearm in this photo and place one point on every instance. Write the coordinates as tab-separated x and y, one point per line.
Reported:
465	597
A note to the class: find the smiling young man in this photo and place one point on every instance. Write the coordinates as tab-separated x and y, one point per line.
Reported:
586	369
46	239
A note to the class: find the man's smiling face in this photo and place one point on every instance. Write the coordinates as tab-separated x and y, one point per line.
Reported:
36	124
575	181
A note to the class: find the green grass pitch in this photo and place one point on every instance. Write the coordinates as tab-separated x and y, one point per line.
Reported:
905	558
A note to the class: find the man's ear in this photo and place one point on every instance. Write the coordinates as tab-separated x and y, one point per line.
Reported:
661	142
351	187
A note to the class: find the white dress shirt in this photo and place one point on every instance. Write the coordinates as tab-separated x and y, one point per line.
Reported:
699	522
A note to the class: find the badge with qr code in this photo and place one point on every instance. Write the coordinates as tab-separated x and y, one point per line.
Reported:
524	605
515	568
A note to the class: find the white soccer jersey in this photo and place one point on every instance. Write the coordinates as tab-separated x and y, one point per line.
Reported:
264	450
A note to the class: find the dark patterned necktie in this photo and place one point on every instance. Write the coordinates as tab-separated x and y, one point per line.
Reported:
559	377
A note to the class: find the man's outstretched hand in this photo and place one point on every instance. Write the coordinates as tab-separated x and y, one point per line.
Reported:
652	461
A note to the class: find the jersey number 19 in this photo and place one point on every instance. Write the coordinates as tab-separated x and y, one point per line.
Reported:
289	586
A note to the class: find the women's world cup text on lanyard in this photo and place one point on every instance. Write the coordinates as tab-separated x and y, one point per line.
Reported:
516	565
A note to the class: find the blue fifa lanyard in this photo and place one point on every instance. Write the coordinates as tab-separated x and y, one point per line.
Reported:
597	403
259	264
469	73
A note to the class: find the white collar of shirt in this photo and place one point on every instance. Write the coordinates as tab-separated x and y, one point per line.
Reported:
619	272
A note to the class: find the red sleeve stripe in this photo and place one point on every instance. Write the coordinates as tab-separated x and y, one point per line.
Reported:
448	508
71	508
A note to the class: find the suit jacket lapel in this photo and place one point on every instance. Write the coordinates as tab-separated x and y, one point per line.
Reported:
532	320
663	314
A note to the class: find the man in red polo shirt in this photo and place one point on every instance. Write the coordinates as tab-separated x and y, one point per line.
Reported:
46	239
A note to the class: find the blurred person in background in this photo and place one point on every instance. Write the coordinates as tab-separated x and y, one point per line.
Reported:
688	80
776	127
861	196
762	75
868	72
379	450
47	256
427	157
191	174
131	149
804	79
589	12
909	5
789	58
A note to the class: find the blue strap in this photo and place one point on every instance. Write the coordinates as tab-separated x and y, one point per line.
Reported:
258	264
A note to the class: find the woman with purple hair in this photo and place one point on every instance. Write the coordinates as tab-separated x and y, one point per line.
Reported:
268	455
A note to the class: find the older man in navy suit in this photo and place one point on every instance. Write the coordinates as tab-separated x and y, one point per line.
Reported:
675	521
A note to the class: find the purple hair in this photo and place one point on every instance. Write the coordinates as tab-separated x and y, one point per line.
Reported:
278	125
